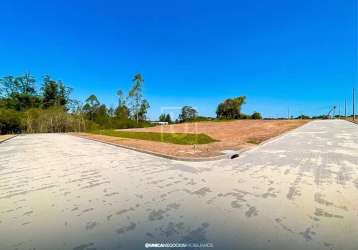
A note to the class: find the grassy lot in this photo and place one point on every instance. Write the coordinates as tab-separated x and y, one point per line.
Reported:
175	138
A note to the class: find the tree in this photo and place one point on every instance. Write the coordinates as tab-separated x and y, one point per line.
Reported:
230	108
256	116
144	106
162	118
187	113
54	93
26	84
165	118
63	97
121	100
8	86
50	92
90	107
122	110
135	94
168	119
19	92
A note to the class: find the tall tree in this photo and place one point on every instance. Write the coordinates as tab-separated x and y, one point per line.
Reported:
49	92
187	113
91	106
121	100
230	108
122	110
168	119
135	94
55	93
143	109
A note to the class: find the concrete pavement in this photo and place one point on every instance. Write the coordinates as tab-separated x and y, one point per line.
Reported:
299	191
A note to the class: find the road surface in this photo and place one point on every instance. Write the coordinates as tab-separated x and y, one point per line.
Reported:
299	191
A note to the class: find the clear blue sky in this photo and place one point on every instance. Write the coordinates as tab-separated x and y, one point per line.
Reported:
279	53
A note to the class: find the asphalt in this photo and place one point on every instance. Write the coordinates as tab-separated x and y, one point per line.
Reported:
299	191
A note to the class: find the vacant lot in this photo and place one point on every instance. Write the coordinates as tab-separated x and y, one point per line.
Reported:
230	135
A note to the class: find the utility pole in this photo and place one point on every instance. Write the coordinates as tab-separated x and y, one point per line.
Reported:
354	114
288	113
339	111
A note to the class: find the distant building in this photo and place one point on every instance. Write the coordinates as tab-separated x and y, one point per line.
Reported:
159	123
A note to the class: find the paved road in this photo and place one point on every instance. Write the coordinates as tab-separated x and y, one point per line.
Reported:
297	192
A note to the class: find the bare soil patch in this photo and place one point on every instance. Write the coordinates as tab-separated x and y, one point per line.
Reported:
231	135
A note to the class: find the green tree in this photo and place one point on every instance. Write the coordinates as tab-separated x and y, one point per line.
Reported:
165	118
162	118
95	111
122	111
50	92
256	116
135	95
121	100
143	109
8	86
19	92
91	106
54	93
230	108
168	119
187	113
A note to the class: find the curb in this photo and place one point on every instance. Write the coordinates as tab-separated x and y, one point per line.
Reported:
170	157
11	137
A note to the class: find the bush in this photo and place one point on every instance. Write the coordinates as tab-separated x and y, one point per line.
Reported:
10	121
244	116
54	120
256	116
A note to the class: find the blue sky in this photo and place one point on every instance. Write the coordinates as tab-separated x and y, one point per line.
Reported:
278	53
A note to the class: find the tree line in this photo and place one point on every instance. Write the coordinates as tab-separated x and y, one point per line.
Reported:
24	108
49	108
229	109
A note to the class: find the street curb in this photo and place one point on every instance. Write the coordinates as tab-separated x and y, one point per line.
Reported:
170	157
11	137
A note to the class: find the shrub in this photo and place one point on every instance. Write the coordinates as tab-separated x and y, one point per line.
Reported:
256	116
54	120
10	121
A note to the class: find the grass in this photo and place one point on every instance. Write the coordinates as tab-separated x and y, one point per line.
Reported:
255	141
175	138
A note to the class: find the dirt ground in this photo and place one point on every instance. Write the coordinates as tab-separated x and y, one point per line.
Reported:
231	135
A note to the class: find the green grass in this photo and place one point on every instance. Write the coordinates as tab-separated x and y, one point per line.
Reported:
175	138
255	141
